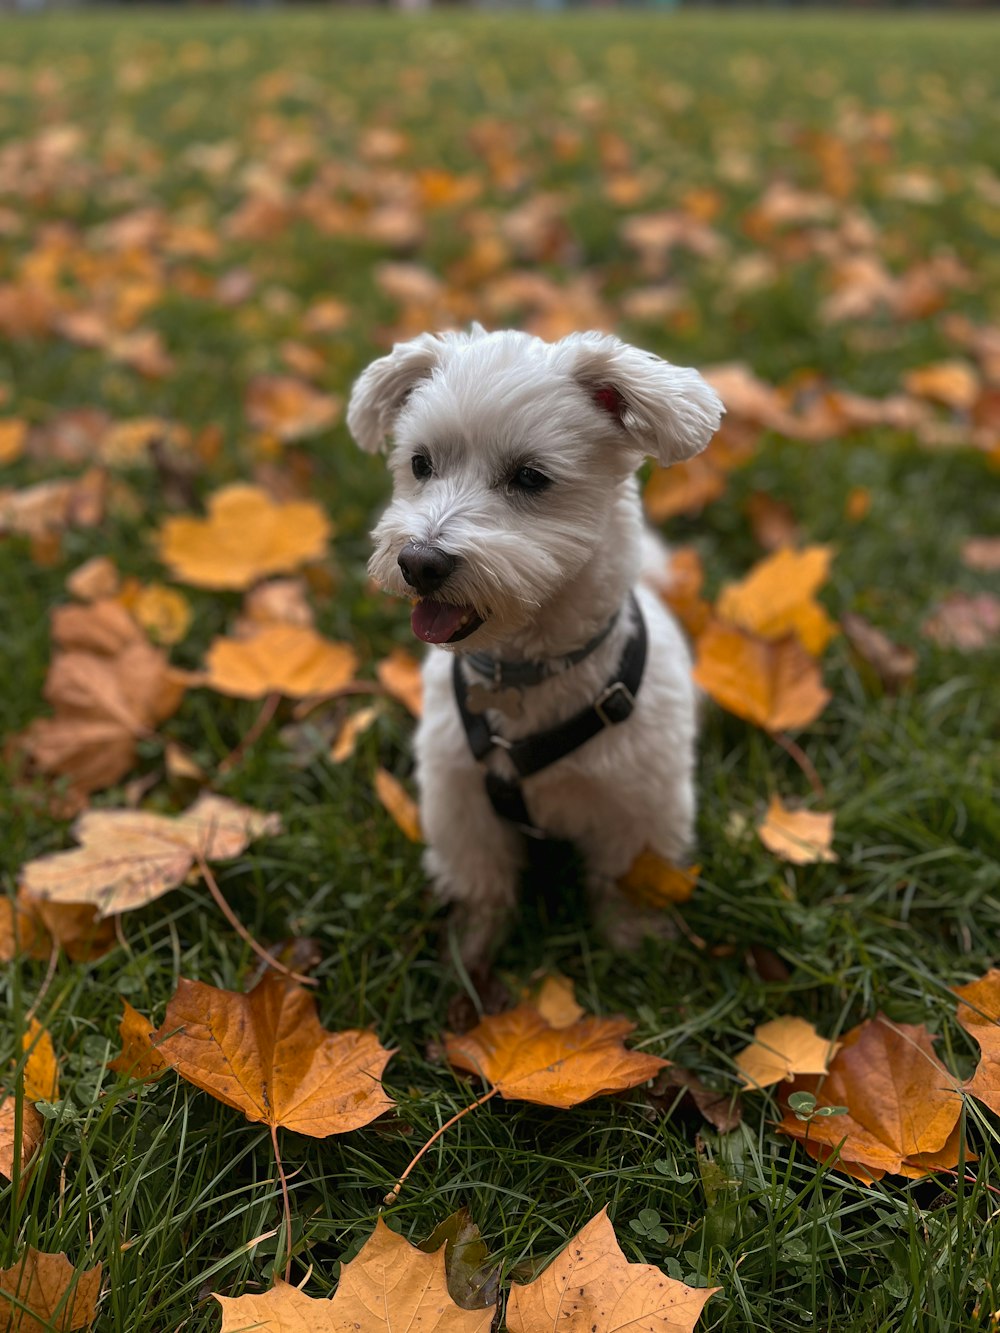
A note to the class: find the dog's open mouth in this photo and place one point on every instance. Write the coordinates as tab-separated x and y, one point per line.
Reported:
443	622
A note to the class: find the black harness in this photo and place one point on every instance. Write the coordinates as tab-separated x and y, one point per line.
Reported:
531	754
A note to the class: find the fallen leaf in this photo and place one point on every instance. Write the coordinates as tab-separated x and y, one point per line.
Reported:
894	664
128	858
41	1070
164	613
902	1105
722	1110
653	882
399	675
74	927
777	598
353	728
473	1275
51	506
399	803
963	621
979	1014
246	537
288	407
95	580
32	1131
955	384
265	1054
109	687
800	836
685	488
681	587
13	436
44	1291
592	1288
292	660
22	935
527	1059
138	1058
555	999
777	686
982	553
390	1286
782	1049
773	521
279	601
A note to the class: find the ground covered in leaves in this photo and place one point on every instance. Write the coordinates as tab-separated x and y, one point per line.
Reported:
207	227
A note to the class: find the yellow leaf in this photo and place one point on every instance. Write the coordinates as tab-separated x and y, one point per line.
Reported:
800	836
777	686
13	433
164	613
354	727
139	1058
555	1000
592	1288
399	803
247	536
41	1071
279	659
44	1291
653	882
782	1049
777	598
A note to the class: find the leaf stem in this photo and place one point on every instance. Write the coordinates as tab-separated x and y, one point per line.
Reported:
241	930
393	1194
267	711
285	1201
796	753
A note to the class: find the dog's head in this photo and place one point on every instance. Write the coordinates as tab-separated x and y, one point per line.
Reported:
509	456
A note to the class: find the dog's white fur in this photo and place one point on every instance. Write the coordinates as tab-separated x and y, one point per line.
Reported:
547	571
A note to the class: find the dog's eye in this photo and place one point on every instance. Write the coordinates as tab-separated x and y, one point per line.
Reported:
529	479
422	467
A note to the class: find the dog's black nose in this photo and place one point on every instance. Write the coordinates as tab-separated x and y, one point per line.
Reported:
425	568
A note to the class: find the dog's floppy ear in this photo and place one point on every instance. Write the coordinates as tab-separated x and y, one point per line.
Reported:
666	411
380	392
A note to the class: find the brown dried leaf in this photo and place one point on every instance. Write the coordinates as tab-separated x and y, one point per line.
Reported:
894	664
354	727
527	1059
32	1131
128	858
265	1054
979	1014
44	1292
963	621
902	1105
288	407
592	1288
982	553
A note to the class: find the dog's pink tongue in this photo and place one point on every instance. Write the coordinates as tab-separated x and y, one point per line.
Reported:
436	622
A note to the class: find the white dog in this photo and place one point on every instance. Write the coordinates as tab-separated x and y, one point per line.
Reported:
562	704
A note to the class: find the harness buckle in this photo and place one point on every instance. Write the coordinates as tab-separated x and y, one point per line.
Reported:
615	704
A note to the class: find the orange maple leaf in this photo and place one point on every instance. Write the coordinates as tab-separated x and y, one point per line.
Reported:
526	1059
265	1054
902	1104
292	660
979	1014
247	536
778	686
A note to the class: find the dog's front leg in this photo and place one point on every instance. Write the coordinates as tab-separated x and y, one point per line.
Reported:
474	859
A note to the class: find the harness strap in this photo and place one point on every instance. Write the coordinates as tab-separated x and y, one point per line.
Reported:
531	754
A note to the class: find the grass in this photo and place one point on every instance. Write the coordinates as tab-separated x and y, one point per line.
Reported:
170	1189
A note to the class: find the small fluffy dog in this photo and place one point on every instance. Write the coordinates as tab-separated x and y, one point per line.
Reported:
562	703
